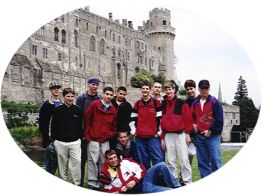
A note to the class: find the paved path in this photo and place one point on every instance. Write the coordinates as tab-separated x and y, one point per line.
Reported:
232	146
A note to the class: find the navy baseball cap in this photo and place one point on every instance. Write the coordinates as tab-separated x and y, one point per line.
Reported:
203	83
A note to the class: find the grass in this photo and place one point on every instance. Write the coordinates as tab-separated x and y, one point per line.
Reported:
226	156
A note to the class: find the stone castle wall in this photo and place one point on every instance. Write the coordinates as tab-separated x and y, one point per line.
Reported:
81	44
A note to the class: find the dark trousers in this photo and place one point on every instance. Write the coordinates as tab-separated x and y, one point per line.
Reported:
83	161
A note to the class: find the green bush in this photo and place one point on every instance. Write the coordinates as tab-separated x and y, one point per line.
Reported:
138	78
143	75
22	134
18	113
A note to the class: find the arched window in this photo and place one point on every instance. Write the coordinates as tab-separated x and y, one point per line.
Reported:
102	46
63	36
92	43
119	53
56	36
76	38
118	70
114	51
137	69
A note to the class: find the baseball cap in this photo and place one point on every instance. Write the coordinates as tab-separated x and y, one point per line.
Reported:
203	83
55	85
93	80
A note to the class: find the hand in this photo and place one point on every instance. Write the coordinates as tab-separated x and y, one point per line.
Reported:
123	189
206	133
163	144
130	184
188	139
195	127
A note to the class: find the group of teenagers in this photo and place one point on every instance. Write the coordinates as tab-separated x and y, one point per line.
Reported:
131	149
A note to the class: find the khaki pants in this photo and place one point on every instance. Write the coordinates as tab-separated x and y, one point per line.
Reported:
176	146
96	159
69	156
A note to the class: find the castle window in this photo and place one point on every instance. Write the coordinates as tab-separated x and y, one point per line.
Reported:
63	19
77	22
76	60
126	41
87	26
102	46
137	44
118	70
137	69
151	23
119	53
63	36
164	22
119	39
114	51
45	53
92	43
105	33
59	56
76	38
56	36
97	28
233	115
236	122
34	50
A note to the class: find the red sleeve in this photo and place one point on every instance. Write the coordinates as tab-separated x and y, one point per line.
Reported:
187	116
88	119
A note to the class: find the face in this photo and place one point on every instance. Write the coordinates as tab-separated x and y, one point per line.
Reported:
55	91
170	92
157	88
92	88
69	99
123	138
108	96
191	92
204	92
145	90
120	96
112	160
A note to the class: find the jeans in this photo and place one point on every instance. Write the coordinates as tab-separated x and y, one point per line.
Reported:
158	179
149	149
208	154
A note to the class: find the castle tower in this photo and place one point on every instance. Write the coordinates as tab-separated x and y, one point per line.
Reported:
219	93
162	34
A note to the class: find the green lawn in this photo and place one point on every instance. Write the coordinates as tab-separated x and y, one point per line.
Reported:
226	156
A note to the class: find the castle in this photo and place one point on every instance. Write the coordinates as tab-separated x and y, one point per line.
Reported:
81	44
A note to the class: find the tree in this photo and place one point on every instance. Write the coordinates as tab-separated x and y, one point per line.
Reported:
248	112
143	75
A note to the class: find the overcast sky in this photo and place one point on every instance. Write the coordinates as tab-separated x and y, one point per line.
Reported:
204	51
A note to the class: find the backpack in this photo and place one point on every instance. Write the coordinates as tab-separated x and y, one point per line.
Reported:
154	101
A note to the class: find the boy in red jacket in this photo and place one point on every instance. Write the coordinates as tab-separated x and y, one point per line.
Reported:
100	126
176	124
